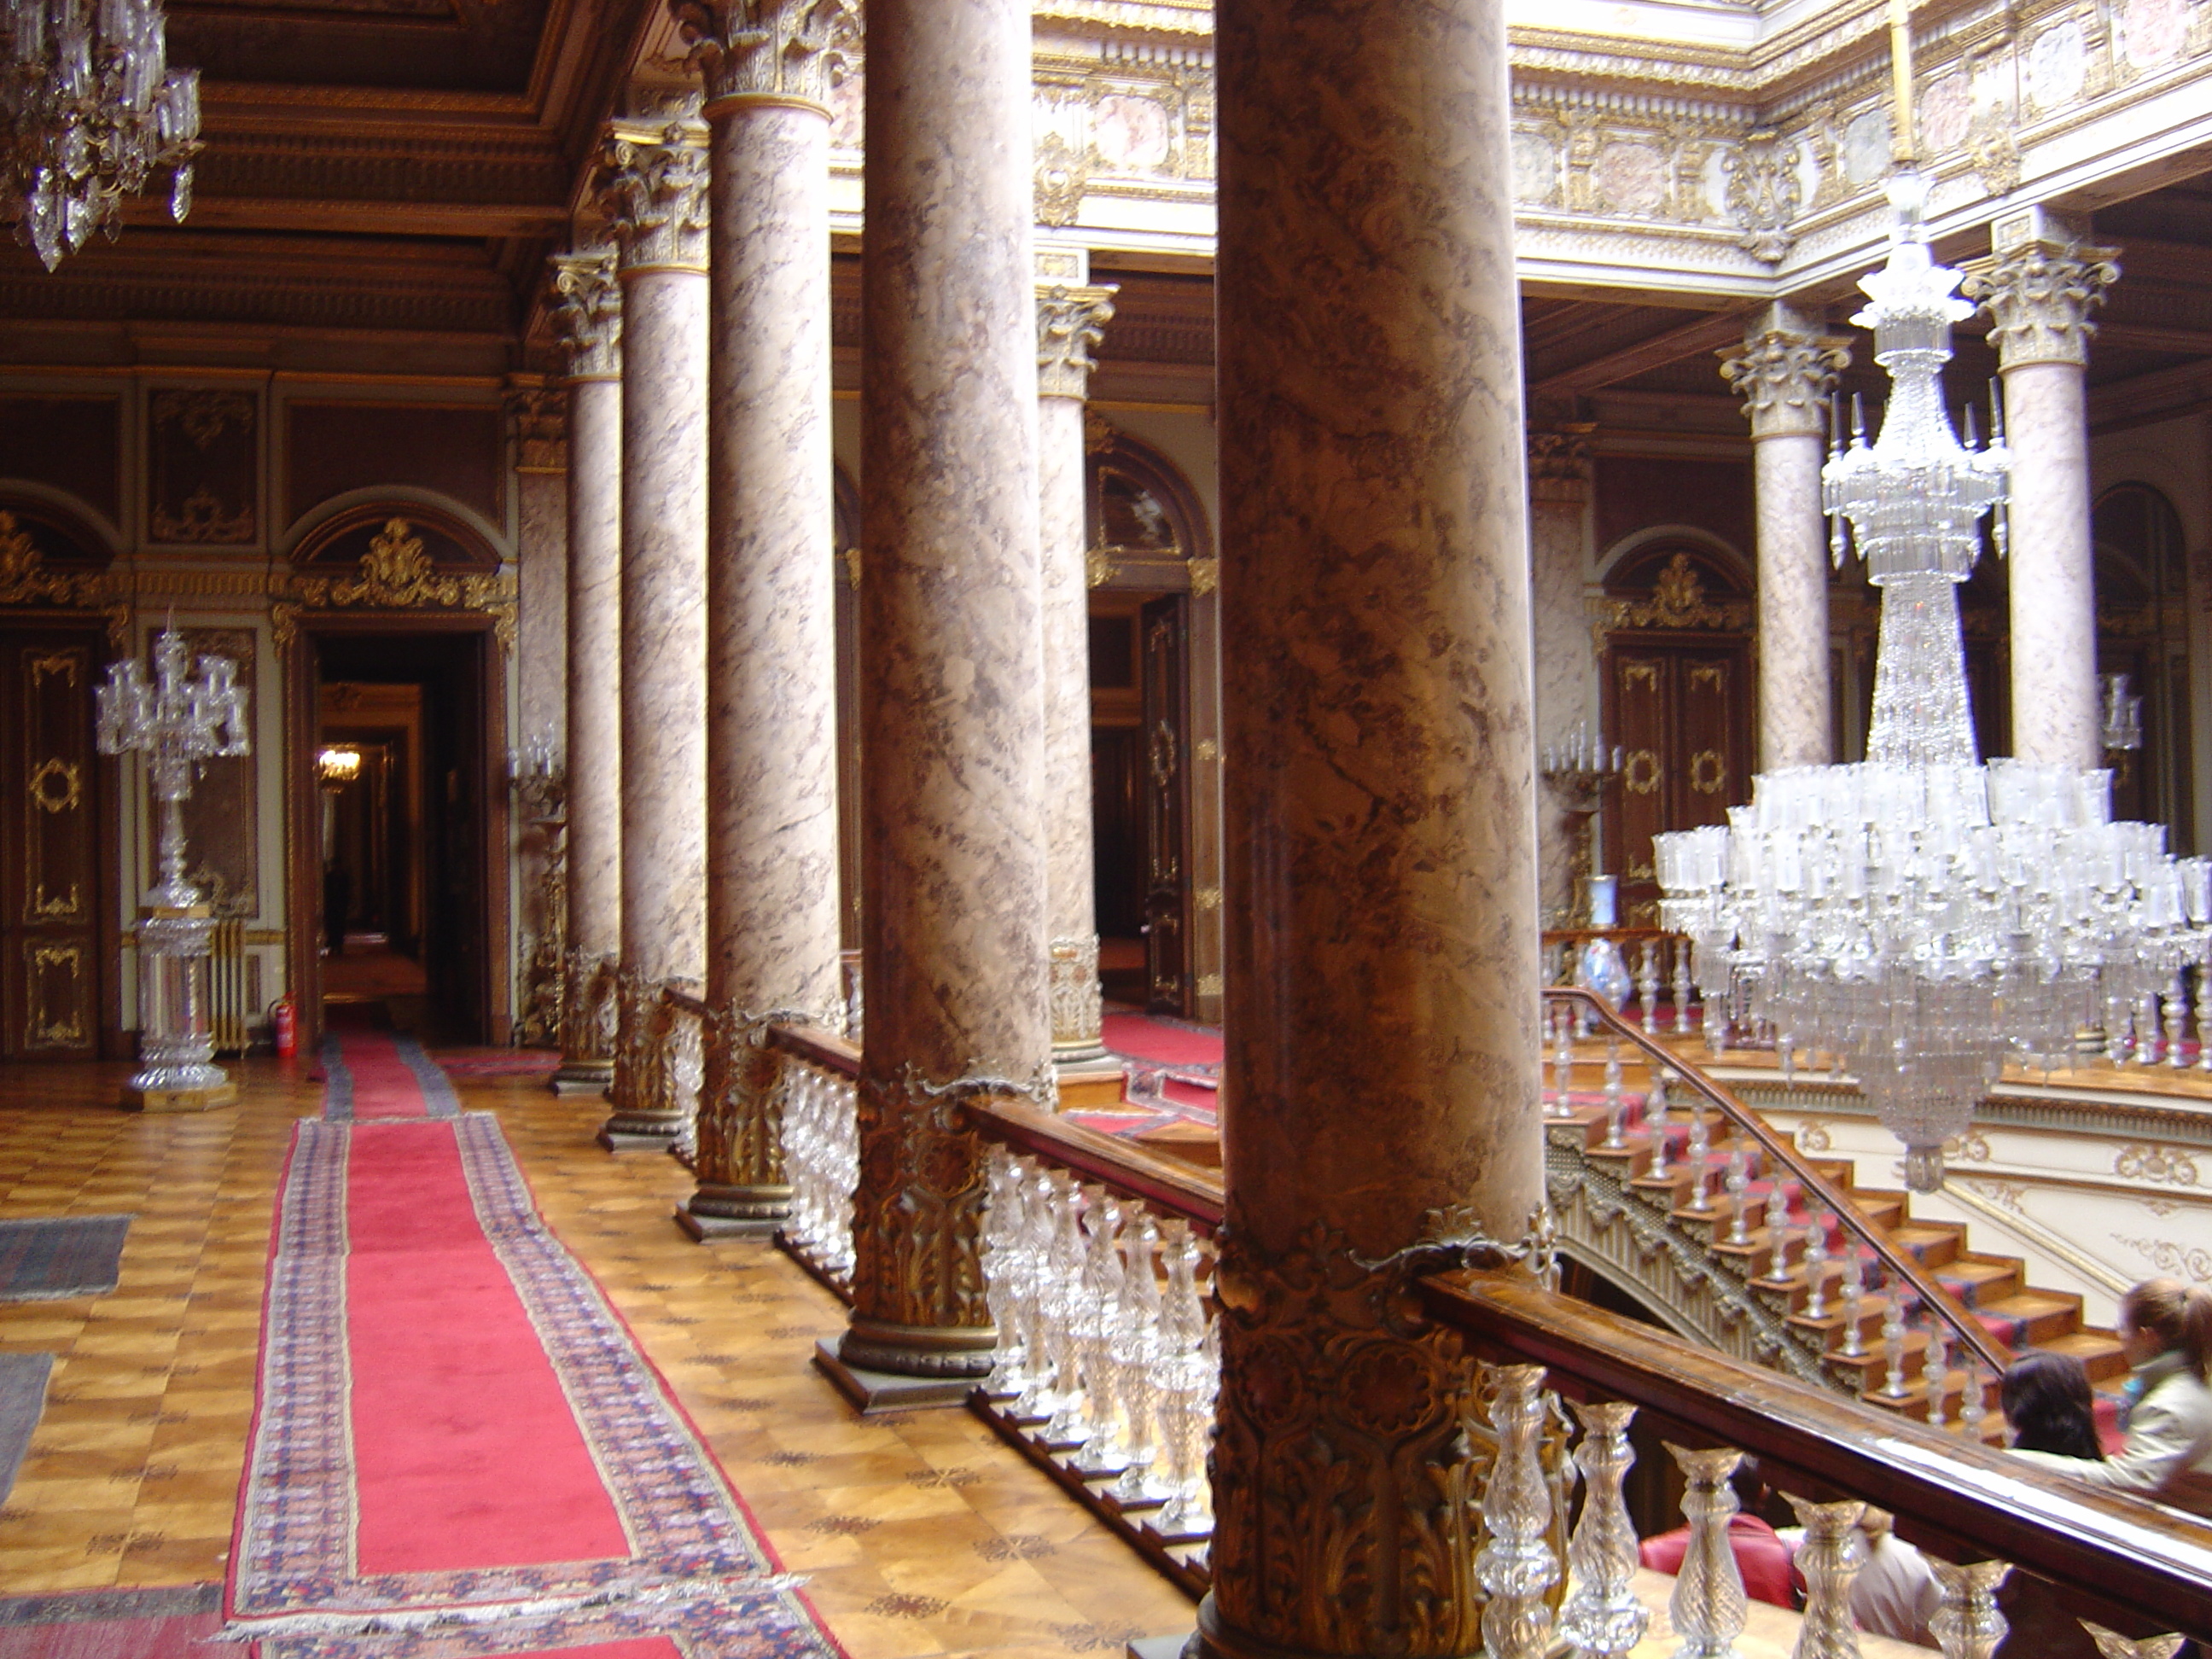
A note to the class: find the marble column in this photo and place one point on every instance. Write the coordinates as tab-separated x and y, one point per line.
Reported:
588	315
771	634
1784	371
2038	292
1566	659
951	663
537	409
1071	319
1382	1083
654	190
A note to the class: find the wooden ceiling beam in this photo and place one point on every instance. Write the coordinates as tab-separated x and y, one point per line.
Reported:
1709	333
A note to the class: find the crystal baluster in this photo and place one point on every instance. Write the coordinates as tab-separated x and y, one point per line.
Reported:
1707	1607
1785	1054
1700	1158
1682	986
2111	1644
1139	1358
1102	1453
1655	1120
1935	1368
1778	1232
2203	1019
1892	1346
2176	1021
1973	1403
1183	1387
1647	987
1603	1617
846	1123
2147	1029
1967	1625
1830	1559
998	1247
1816	1263
1854	1300
1516	1565
1739	1192
1041	1212
2116	1030
1070	1424
1564	1061
1613	1099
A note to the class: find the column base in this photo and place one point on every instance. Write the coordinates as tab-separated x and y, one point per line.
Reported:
630	1134
179	1100
735	1212
1091	1086
871	1392
583	1077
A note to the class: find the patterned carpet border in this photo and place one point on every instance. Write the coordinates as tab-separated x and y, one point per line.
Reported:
439	1099
294	1554
437	1088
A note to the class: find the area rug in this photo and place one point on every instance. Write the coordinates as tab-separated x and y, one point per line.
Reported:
458	1448
378	1074
52	1257
22	1402
112	1624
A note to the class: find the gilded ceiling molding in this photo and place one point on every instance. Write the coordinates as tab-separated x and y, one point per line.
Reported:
784	49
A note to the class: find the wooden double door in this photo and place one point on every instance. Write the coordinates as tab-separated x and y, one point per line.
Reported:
1680	709
1140	786
58	851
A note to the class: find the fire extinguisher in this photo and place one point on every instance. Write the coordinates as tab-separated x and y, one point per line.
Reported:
286	1021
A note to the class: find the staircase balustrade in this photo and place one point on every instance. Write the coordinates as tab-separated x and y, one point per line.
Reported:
681	1034
818	1078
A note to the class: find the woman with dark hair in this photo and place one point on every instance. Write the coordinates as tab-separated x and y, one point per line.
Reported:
2166	1328
2046	1401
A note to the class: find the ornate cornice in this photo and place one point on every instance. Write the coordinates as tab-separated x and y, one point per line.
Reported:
652	188
395	575
784	49
2038	296
1071	323
1783	372
587	313
1559	462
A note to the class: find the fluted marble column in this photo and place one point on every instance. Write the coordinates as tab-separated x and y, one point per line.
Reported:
771	639
1381	1079
2039	291
1567	658
655	192
951	693
1071	319
588	317
1784	371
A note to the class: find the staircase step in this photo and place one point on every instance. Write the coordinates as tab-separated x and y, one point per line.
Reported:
1978	1280
2100	1352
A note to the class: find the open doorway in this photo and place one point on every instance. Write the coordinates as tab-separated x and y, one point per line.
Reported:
393	876
1140	797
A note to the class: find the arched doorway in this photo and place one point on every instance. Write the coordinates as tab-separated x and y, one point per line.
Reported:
1678	703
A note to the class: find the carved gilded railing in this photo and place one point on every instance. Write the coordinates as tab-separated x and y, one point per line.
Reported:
2134	1569
1098	1256
1752	1244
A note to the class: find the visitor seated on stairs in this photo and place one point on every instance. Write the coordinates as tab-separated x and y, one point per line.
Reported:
1760	1554
2165	1329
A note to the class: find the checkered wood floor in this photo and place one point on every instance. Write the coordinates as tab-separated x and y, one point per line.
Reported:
919	1534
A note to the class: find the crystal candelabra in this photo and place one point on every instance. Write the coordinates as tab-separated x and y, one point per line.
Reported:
2120	721
187	715
1923	915
1580	767
92	109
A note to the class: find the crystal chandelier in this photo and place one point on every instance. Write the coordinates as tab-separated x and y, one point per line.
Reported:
1921	916
92	109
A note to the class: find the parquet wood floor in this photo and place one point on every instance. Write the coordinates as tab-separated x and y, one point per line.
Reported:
919	1535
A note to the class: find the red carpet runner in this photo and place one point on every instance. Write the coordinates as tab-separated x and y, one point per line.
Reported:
458	1449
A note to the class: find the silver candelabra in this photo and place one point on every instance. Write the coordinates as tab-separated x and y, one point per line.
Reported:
185	715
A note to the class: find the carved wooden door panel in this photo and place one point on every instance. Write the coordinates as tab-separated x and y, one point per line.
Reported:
1166	627
51	971
1680	714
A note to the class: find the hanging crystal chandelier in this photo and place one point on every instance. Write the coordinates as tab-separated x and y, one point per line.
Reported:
92	109
1921	916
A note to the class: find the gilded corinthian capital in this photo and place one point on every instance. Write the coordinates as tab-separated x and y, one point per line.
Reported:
792	49
2040	289
1071	322
587	313
653	187
1784	371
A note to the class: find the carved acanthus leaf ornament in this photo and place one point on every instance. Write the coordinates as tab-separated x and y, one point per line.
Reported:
1071	323
587	313
2039	297
396	574
1678	600
1784	377
653	187
792	49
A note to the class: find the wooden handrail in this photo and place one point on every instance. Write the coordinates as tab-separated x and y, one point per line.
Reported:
1168	1187
819	1047
1783	1154
2117	1554
684	1003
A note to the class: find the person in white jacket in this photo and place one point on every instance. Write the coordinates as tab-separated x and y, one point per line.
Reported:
2166	1328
